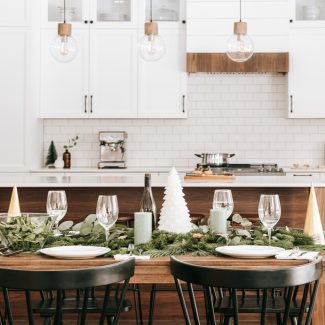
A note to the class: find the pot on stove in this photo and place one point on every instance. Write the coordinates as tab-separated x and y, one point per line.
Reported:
215	159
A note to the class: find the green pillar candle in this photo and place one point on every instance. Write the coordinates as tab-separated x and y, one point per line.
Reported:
142	227
218	221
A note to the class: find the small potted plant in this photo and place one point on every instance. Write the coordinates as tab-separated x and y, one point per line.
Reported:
67	155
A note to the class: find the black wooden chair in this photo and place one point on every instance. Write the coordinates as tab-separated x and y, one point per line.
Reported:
287	280
59	281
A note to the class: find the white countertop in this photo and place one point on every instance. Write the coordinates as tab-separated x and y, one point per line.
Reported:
93	170
136	180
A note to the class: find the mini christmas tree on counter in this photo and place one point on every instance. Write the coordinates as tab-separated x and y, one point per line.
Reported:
52	156
174	215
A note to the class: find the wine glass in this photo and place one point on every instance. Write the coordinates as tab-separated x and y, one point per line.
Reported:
269	212
56	207
222	200
107	212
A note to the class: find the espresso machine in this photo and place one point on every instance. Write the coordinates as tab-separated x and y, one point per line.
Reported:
112	149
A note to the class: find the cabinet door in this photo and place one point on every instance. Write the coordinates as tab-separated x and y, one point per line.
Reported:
113	70
64	86
162	84
14	12
13	82
307	73
114	14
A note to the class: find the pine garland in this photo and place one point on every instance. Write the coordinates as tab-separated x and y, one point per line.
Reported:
199	242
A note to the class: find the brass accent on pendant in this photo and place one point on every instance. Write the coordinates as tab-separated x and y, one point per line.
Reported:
64	29
151	28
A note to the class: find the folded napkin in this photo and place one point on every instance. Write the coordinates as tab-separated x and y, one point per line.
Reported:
123	257
295	254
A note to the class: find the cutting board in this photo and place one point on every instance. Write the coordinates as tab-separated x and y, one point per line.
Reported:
210	178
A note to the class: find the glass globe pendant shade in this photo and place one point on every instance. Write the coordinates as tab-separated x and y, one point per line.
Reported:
64	47
240	47
152	46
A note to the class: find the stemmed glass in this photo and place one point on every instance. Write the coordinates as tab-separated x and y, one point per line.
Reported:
222	200
269	212
56	207
107	212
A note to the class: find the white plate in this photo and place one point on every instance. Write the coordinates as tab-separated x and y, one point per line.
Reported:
249	251
75	252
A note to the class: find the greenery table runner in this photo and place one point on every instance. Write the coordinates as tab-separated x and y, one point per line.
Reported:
22	234
198	242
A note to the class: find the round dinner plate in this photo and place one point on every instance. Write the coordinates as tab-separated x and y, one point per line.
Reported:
75	252
249	251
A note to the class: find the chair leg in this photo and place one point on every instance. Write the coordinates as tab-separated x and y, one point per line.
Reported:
137	304
226	320
278	319
293	320
152	304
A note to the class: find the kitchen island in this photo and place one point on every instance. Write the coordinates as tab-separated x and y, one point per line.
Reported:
82	192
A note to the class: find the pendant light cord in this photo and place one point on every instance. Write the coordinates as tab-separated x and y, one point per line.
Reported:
64	11
239	10
150	11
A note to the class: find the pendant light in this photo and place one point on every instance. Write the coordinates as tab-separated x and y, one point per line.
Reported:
240	47
151	46
64	47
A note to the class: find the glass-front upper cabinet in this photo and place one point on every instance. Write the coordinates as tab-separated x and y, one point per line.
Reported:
308	11
114	13
166	12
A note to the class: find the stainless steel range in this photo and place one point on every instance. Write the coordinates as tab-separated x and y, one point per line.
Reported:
248	169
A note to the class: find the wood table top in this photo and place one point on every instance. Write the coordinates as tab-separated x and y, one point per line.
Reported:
156	270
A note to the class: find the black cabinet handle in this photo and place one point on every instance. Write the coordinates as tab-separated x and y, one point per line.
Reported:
91	21
91	104
302	175
183	103
291	21
291	104
86	104
86	21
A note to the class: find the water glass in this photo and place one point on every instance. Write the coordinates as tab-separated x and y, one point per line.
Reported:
269	212
107	212
222	200
56	207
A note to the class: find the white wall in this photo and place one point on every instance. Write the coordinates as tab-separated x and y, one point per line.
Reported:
236	113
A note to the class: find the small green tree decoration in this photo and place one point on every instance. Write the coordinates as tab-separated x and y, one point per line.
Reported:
52	155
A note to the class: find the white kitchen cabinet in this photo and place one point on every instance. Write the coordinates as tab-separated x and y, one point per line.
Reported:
162	84
113	73
64	86
15	13
99	13
13	85
307	73
210	24
98	83
108	79
306	96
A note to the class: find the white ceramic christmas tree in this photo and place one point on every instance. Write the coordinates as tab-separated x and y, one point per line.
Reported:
174	215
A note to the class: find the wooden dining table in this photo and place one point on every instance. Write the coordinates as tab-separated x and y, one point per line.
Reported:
157	270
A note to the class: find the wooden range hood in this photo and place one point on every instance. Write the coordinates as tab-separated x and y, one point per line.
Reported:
219	62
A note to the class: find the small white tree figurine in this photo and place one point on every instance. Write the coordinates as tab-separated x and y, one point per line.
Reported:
174	215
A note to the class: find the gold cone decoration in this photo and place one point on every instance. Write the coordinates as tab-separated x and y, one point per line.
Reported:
313	225
14	207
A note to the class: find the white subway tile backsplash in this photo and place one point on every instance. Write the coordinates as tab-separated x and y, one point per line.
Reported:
244	114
